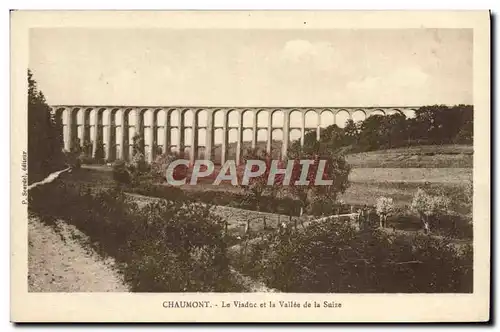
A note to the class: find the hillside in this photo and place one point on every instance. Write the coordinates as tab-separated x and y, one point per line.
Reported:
424	156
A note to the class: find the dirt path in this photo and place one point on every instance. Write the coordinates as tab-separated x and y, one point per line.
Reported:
60	262
51	177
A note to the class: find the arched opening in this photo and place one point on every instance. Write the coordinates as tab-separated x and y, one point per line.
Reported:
150	138
174	139
188	118
263	119
341	118
377	112
295	135
201	139
159	131
111	132
277	142
202	118
326	118
188	135
278	119
218	120
62	119
174	118
131	129
79	124
393	111
248	118
232	136
295	119
217	150
86	142
233	119
358	116
261	139
93	125
246	140
410	114
311	121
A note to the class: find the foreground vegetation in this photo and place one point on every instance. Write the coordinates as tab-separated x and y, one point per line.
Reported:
165	246
45	140
335	257
183	246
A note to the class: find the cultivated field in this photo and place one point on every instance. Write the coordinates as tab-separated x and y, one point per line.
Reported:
411	175
426	156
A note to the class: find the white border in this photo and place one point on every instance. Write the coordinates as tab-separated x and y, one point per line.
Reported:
478	4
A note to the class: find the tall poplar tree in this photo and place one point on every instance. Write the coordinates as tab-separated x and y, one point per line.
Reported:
44	135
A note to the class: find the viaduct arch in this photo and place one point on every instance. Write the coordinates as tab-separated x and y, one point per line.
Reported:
199	130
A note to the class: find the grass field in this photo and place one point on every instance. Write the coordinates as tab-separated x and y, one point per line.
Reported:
411	175
424	156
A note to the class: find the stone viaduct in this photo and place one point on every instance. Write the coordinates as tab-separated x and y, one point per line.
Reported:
199	130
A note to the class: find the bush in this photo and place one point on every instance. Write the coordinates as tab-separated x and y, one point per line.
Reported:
430	208
162	247
454	225
384	207
333	257
85	159
284	205
322	207
160	164
99	153
45	142
121	173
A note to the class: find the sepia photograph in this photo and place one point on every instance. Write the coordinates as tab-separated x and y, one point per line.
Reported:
247	166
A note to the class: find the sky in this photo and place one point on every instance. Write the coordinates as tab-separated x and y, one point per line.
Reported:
317	68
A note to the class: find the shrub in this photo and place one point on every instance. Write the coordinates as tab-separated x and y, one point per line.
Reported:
162	247
121	173
384	207
283	205
429	207
321	206
161	163
334	257
99	153
85	159
45	141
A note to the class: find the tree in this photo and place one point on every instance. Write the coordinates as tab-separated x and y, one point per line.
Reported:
44	135
397	130
351	132
333	137
99	153
371	136
336	169
160	164
257	188
429	207
138	156
384	207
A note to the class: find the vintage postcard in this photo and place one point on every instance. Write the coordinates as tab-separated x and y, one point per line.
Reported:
250	166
